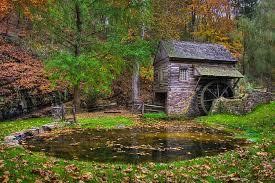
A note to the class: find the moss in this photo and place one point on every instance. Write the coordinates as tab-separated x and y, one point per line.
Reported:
219	71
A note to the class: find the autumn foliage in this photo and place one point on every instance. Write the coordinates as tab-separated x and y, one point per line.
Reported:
21	71
9	6
196	20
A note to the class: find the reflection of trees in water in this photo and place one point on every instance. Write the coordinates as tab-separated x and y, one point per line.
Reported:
129	145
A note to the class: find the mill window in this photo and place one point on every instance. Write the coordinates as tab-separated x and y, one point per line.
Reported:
183	74
161	75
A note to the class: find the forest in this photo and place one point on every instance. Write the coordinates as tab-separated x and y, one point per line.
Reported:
76	77
117	36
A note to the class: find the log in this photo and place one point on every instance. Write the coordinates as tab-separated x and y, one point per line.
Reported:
112	112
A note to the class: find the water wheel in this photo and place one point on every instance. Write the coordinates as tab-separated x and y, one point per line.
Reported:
211	91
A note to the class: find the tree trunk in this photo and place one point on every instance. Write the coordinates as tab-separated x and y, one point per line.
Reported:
76	95
135	81
244	52
76	88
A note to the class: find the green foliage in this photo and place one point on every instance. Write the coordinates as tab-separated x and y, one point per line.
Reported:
131	49
86	69
258	34
91	42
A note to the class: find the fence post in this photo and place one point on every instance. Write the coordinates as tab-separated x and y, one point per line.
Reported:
62	112
143	108
74	113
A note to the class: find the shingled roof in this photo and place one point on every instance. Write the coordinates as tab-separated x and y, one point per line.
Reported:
197	51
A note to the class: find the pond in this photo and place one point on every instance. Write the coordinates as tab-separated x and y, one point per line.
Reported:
155	143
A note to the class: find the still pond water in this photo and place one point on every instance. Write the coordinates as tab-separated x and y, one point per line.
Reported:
134	145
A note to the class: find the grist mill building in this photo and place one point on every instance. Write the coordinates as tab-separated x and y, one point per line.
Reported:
189	76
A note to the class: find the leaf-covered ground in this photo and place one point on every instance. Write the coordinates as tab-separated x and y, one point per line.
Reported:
245	164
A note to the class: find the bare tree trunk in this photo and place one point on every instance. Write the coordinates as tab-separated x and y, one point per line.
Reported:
76	95
76	88
135	81
244	52
136	68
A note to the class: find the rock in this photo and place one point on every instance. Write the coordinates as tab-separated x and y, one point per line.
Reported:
11	140
16	138
49	127
121	126
32	132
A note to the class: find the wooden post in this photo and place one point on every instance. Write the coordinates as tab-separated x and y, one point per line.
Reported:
62	112
74	113
143	107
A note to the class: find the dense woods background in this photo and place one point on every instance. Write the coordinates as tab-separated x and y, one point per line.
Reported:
102	48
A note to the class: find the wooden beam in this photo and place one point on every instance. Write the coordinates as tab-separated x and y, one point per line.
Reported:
235	84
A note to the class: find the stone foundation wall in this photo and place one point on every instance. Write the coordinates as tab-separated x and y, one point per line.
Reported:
242	105
182	103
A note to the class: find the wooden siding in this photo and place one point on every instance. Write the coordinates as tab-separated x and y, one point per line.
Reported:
161	85
161	64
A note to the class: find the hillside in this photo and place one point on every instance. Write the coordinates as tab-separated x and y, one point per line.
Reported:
24	85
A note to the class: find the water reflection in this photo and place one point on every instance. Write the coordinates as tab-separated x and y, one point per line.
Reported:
134	145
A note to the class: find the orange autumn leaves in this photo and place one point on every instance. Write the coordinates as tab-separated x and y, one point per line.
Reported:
206	21
9	6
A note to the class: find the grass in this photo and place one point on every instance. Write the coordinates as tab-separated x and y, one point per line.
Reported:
157	116
105	122
256	125
248	164
9	127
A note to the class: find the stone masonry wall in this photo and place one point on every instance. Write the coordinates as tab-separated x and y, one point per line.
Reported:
242	105
181	96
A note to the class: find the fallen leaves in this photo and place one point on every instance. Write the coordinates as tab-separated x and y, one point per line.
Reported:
86	176
47	175
262	153
71	168
6	177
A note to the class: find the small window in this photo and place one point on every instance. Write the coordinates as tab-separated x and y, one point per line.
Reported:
161	75
183	74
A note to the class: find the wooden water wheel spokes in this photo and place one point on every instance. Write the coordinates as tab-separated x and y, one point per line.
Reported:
211	91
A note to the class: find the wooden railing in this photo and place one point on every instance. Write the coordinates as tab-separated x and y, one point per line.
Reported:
142	108
63	113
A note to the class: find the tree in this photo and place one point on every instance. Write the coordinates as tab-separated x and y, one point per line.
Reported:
258	40
139	29
168	19
196	20
137	48
16	13
75	34
244	7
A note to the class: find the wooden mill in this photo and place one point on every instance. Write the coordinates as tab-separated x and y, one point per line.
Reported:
189	76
